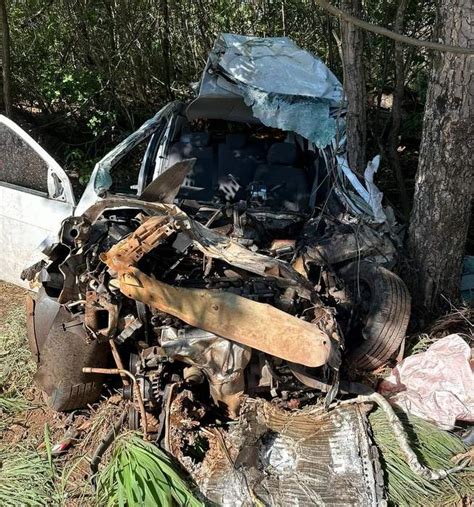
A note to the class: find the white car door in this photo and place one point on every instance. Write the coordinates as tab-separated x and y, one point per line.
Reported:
35	197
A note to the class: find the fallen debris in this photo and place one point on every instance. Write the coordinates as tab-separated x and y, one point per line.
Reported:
269	458
436	385
435	448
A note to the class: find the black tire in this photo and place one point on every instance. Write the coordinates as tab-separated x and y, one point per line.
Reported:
63	354
385	320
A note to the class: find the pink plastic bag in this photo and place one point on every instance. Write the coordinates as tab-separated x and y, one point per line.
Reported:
437	385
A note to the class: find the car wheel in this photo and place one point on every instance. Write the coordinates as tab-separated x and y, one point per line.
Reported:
62	355
382	304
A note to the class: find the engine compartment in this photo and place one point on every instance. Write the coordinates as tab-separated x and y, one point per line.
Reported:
161	345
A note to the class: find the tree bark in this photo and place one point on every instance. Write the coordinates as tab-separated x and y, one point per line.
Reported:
165	41
354	86
6	72
444	181
398	93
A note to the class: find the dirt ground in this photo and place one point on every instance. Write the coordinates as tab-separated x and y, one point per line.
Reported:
11	297
31	425
26	425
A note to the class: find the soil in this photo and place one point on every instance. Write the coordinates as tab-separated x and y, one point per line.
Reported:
11	297
79	431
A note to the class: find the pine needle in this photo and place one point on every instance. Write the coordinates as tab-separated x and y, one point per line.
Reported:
25	478
435	448
139	473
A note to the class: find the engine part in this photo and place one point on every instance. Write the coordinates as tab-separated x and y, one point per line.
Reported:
222	361
100	315
275	451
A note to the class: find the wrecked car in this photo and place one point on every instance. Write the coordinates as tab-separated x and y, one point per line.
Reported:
236	257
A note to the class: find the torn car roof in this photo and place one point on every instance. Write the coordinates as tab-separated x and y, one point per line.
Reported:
282	85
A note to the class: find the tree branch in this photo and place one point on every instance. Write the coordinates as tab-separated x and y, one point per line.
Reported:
388	33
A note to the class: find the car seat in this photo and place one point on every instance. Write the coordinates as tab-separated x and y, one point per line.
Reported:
286	184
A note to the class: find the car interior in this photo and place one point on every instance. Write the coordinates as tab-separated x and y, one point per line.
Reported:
244	162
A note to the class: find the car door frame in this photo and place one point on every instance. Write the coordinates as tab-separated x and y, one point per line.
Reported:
101	180
29	218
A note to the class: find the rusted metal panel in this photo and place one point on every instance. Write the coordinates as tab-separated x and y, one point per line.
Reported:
210	243
100	316
256	325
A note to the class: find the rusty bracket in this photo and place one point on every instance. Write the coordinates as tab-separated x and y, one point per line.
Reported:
256	325
131	249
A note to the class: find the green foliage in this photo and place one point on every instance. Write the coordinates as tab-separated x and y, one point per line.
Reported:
435	448
25	478
139	473
93	71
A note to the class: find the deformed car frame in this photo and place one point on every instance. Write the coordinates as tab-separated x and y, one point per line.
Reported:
246	260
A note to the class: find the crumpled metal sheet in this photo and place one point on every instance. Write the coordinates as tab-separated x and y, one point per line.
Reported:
288	88
212	244
285	86
339	245
222	361
275	65
437	385
250	323
306	116
371	195
293	458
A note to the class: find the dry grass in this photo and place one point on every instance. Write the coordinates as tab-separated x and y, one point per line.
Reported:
457	320
16	366
29	476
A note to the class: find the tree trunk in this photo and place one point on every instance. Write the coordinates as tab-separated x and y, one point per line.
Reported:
165	41
444	181
398	93
354	86
7	98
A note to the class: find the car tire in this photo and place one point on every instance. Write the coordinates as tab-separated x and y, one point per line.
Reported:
385	321
64	399
63	354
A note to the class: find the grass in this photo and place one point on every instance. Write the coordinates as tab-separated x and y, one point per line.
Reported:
27	477
16	364
139	473
435	448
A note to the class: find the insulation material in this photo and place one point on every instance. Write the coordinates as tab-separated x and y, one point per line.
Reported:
281	458
436	385
370	192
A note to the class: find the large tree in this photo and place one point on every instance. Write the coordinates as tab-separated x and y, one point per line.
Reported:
354	86
444	181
